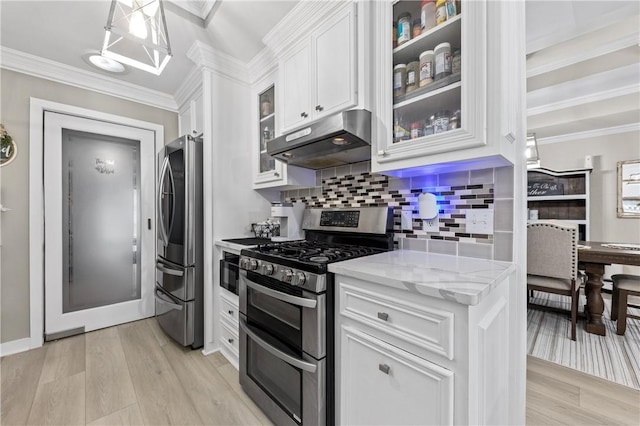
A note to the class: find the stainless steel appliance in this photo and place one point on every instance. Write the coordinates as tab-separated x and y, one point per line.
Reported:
179	265
229	272
335	140
287	312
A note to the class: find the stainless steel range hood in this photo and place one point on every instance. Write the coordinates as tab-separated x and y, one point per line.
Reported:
338	139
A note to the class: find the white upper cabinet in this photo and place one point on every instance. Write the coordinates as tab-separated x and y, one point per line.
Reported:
318	75
190	115
468	113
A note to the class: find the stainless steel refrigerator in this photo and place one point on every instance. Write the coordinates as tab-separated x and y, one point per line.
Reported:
179	265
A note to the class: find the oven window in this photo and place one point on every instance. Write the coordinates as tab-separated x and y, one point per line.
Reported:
280	319
277	378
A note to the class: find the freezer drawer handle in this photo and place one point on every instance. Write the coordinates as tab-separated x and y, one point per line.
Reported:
161	301
294	300
161	267
306	366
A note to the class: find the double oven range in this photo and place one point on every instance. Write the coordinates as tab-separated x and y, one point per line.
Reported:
287	311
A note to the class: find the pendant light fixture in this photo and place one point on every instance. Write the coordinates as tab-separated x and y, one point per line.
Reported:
136	35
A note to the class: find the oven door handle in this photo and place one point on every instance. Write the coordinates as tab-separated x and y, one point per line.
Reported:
306	366
294	300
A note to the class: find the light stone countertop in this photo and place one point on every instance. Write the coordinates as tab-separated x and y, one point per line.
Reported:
231	247
463	280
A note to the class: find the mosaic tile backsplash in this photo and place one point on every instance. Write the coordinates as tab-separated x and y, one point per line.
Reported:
456	194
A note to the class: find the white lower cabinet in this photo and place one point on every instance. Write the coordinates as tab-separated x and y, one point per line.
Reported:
384	385
406	358
229	334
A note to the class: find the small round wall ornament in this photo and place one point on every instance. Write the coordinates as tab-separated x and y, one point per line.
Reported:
8	148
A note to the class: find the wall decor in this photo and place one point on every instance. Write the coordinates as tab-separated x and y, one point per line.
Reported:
628	189
8	148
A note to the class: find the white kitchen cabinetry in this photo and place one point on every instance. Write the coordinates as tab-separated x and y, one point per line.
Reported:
488	92
269	172
229	334
318	75
406	358
190	116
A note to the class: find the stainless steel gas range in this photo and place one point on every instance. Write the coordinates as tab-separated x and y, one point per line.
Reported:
287	311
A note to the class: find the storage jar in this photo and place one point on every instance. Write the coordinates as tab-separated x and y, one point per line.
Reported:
417	28
399	79
442	60
441	121
452	9
404	28
426	67
413	69
456	62
428	15
416	130
441	11
395	35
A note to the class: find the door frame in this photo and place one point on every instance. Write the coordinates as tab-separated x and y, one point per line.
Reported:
36	196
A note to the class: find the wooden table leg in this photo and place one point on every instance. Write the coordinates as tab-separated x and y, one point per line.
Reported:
595	304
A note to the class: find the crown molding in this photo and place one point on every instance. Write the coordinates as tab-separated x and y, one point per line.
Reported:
607	131
201	8
191	84
262	64
205	56
305	15
15	60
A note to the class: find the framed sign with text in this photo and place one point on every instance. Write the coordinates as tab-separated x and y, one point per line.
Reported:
8	149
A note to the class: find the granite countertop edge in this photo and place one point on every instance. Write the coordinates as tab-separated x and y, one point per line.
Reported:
463	280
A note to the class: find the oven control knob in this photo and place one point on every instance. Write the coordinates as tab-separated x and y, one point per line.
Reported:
267	269
287	275
301	278
253	265
243	263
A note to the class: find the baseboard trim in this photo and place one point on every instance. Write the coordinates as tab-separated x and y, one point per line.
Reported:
15	346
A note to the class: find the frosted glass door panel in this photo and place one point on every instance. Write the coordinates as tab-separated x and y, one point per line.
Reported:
100	220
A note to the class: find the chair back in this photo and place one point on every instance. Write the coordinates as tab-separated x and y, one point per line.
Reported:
552	249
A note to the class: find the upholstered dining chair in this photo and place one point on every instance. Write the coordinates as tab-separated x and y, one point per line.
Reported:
624	285
552	264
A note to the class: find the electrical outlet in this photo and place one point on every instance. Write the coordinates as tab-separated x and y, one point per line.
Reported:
479	221
407	220
431	225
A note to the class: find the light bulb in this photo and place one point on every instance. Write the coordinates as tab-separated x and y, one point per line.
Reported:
137	26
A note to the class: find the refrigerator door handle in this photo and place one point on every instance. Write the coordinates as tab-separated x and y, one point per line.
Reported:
163	230
163	268
173	199
164	302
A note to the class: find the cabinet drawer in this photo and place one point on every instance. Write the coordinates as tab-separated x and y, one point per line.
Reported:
229	337
229	311
427	328
382	385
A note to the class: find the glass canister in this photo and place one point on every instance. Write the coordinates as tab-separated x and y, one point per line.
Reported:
456	62
426	67
428	15
454	120
441	11
417	28
413	69
404	28
441	121
442	60
399	80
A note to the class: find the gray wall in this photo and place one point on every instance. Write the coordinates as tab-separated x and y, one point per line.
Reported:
606	152
16	89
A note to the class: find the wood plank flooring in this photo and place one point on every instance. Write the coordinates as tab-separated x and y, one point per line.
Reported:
133	375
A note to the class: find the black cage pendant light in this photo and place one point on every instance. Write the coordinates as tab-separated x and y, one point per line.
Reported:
136	35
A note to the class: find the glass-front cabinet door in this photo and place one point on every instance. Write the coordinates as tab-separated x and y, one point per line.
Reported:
266	105
432	70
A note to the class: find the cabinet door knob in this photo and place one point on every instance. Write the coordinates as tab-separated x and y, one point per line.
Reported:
319	108
276	174
384	368
230	312
231	341
304	115
383	316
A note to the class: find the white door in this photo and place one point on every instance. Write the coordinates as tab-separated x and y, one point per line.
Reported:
99	224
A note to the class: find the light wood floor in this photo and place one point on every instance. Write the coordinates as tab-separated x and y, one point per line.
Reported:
133	375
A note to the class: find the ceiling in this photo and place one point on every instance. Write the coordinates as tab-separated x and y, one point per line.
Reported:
572	47
65	31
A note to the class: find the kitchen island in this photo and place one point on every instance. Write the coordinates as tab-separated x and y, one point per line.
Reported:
423	338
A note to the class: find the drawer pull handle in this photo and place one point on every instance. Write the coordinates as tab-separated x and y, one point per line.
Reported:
383	316
384	368
230	312
230	341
